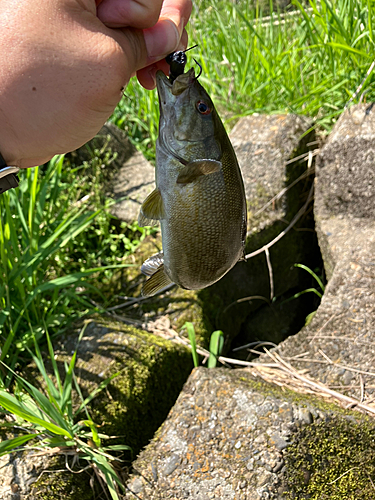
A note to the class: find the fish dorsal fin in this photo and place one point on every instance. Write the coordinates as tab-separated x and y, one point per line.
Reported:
196	168
152	264
157	282
152	209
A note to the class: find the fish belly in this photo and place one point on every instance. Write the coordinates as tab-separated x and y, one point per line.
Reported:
202	232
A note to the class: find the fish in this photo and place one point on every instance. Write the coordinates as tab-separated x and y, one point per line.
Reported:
199	198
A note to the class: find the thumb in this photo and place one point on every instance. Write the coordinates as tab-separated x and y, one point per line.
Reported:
162	39
145	47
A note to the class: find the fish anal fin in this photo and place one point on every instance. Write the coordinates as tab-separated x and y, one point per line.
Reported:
157	282
196	168
152	264
152	209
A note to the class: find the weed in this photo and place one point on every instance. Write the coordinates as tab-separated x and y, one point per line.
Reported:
215	348
308	61
52	424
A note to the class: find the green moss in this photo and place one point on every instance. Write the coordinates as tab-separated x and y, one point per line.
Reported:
62	485
152	372
179	305
332	460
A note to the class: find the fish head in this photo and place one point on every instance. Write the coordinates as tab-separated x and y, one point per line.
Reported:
189	124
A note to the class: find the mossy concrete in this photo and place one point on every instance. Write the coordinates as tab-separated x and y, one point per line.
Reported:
231	435
151	372
332	460
137	400
58	485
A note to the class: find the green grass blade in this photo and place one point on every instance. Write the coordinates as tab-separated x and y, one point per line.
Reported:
348	48
216	346
53	361
314	275
11	404
10	445
66	399
96	391
191	334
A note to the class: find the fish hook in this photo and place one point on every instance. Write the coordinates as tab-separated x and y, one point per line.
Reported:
200	69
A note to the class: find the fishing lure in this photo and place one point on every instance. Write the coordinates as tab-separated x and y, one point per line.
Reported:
177	62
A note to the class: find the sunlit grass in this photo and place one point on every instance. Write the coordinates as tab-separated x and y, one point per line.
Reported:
309	62
59	248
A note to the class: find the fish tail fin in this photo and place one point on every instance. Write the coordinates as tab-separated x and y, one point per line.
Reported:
157	282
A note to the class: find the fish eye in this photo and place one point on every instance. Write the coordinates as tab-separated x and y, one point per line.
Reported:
203	108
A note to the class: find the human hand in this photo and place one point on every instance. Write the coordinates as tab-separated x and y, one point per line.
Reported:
64	64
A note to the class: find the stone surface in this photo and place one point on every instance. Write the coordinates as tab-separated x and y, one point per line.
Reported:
131	407
140	397
134	181
263	145
266	147
339	344
228	437
18	475
346	167
33	477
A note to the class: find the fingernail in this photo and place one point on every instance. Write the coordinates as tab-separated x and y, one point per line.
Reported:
163	38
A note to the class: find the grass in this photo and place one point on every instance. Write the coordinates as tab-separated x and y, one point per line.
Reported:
57	252
310	63
50	424
215	347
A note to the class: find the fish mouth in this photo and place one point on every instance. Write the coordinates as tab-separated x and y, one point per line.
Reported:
164	87
162	80
180	84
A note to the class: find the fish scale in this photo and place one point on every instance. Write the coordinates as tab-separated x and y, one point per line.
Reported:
199	197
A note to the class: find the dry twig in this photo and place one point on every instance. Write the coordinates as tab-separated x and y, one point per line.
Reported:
307	172
281	373
286	230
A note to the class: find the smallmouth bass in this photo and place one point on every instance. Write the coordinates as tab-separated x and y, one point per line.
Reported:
199	197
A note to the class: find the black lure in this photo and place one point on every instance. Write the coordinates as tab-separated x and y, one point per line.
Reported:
177	62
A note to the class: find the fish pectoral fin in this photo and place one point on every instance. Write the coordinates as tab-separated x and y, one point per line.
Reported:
196	168
157	282
152	209
152	264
